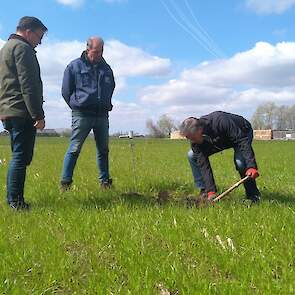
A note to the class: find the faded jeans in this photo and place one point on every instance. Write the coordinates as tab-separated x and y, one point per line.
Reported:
81	127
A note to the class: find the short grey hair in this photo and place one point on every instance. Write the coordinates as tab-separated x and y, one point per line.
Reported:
91	39
189	126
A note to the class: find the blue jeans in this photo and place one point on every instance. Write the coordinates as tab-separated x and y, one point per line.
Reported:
240	164
22	137
81	127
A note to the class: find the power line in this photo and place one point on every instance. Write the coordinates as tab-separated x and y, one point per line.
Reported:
197	33
202	29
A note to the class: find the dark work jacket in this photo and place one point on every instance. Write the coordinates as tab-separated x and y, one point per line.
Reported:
222	131
88	88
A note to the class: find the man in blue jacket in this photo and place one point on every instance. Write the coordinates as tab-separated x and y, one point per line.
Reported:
214	133
88	86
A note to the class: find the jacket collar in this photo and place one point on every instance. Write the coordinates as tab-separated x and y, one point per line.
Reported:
88	63
19	37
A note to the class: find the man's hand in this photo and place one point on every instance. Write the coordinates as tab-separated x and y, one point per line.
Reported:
252	172
40	124
211	195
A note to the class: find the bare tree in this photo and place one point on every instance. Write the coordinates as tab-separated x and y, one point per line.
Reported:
166	125
153	129
162	128
271	116
291	117
282	117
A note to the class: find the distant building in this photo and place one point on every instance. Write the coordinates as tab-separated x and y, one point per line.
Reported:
263	134
284	134
130	135
47	132
270	134
127	136
176	135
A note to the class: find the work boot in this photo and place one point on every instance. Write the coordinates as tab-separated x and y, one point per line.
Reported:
19	205
65	186
106	184
202	194
255	199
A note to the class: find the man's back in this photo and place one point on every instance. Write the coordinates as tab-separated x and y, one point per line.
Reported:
218	120
20	80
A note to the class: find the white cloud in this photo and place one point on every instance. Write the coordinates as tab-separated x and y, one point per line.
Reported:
126	61
238	84
74	3
270	6
133	61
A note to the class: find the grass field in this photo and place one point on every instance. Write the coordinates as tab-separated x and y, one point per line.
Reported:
89	241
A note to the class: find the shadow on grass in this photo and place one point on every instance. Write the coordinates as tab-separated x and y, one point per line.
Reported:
138	200
131	199
157	194
278	197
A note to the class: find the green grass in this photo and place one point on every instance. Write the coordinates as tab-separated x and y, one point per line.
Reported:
89	241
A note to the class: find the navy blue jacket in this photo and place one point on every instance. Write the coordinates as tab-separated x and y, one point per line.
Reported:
88	88
221	131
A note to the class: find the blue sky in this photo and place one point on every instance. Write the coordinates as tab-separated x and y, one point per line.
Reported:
159	65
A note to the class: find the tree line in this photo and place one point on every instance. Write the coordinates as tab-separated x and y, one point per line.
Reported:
267	116
271	116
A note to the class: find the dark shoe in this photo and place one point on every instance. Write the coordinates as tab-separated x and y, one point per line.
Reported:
255	199
106	184
19	205
13	205
65	186
24	206
202	194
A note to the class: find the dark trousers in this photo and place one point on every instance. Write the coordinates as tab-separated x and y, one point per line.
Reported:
22	137
240	163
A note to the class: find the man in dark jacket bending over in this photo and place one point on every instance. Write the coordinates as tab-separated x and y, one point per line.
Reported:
88	86
216	132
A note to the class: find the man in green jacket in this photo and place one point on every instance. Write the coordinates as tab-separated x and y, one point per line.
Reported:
21	102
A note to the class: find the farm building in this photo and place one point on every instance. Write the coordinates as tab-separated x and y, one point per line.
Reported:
267	134
47	132
263	134
283	134
274	134
176	135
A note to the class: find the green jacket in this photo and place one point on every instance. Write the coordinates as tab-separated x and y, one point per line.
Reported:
21	89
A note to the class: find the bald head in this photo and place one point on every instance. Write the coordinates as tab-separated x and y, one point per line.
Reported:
94	49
